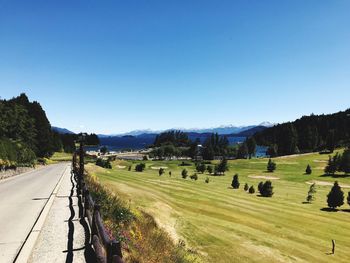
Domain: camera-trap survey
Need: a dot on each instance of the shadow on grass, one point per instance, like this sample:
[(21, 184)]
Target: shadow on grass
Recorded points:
[(335, 175), (346, 210), (306, 202), (327, 209)]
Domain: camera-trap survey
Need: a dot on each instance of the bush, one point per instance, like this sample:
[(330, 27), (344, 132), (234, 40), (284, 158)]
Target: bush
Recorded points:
[(210, 169), (140, 167), (207, 181), (260, 186), (348, 199), (335, 197), (251, 190), (235, 182), (308, 169), (271, 166), (184, 173), (246, 187), (200, 167), (194, 177), (266, 189), (103, 163), (129, 169), (161, 171)]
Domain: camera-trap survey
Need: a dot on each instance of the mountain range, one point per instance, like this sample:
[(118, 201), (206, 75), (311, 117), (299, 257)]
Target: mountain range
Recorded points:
[(139, 139), (223, 129)]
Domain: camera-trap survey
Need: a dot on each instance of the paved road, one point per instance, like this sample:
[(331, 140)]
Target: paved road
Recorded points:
[(21, 200)]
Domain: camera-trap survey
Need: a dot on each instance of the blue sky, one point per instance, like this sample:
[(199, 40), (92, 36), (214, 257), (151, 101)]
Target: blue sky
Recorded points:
[(114, 66)]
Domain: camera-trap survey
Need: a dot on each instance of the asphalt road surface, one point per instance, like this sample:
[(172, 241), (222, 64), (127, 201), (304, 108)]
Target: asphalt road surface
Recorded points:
[(22, 198)]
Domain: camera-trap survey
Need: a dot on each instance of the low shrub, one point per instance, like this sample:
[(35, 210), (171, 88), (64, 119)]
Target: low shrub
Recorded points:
[(104, 163), (194, 177), (184, 173), (140, 167), (251, 190), (246, 187)]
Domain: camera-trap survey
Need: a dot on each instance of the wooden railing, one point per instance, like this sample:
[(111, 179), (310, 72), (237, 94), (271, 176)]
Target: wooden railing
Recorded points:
[(107, 250)]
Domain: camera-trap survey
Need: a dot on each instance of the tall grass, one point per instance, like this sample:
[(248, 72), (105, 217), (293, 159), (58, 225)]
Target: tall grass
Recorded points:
[(142, 239)]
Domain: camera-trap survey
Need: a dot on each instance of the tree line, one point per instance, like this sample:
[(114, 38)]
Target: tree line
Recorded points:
[(307, 134), (26, 134)]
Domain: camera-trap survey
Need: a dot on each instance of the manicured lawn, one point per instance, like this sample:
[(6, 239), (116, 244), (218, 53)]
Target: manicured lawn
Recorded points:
[(226, 225)]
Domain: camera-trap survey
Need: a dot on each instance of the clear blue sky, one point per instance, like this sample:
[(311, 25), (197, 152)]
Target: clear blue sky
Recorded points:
[(114, 66)]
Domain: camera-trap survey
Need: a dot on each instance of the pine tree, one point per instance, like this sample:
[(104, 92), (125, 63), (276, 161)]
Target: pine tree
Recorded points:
[(246, 187), (311, 194), (222, 167), (251, 190), (335, 197), (235, 182), (260, 186), (267, 189), (344, 165), (251, 145), (271, 166), (308, 169)]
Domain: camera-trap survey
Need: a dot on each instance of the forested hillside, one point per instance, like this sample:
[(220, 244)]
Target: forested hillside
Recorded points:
[(307, 134), (26, 133)]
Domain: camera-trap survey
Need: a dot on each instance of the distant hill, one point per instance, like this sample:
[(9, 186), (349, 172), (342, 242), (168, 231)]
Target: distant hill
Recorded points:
[(61, 130), (250, 132)]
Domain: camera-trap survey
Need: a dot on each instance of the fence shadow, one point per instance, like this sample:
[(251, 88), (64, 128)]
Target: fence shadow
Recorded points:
[(70, 255), (89, 253)]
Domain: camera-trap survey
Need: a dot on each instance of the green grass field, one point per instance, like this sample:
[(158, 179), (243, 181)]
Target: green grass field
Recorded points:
[(226, 225), (61, 157)]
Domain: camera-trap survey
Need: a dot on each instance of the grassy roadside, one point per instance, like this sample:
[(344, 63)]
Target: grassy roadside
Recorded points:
[(142, 239), (223, 224)]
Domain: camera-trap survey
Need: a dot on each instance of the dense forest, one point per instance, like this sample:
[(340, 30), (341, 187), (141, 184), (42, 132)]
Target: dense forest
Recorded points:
[(307, 134), (26, 134)]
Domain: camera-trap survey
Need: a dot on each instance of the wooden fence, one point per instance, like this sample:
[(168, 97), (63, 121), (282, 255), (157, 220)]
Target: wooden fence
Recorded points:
[(107, 250)]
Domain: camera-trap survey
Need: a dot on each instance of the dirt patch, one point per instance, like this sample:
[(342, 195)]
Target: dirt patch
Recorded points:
[(121, 166), (319, 168), (320, 161), (324, 183), (163, 215), (293, 163), (263, 177), (158, 167), (292, 155)]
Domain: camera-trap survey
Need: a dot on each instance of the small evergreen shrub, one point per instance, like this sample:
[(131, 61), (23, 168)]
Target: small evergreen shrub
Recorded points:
[(246, 187), (184, 173), (235, 182), (140, 167), (267, 189), (308, 169), (251, 190), (271, 166), (194, 177)]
